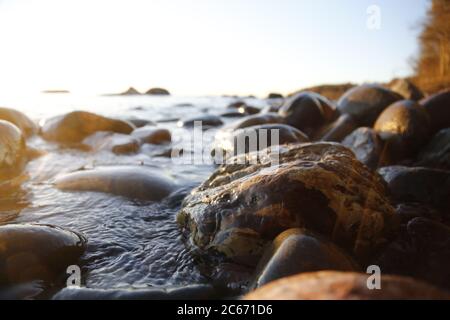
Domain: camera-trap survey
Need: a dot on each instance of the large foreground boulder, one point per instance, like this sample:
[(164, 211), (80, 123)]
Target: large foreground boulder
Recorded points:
[(318, 186), (75, 126), (330, 285), (37, 252), (135, 182)]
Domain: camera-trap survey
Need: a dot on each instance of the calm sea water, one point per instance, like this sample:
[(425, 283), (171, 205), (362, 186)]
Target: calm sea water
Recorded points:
[(132, 244)]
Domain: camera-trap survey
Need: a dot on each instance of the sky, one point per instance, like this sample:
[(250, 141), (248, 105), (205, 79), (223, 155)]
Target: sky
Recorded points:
[(203, 47)]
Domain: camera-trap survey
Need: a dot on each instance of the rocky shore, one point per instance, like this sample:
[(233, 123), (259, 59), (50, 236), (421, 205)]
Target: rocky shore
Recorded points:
[(359, 181)]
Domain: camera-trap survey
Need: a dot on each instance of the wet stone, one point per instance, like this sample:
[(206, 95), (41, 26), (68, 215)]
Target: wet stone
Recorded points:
[(37, 252), (297, 251), (135, 182), (333, 285), (113, 142), (366, 102), (152, 135), (436, 154), (75, 126), (205, 120), (13, 151), (438, 108), (367, 146), (318, 186), (405, 128), (25, 124)]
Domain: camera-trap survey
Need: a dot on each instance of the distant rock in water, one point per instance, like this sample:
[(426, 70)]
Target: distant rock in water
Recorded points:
[(24, 123), (55, 91), (115, 142), (13, 151), (75, 126), (152, 135), (134, 182), (37, 252), (158, 92), (273, 95), (205, 120), (131, 91)]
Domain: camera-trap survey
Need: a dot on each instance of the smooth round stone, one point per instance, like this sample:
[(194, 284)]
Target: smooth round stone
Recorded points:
[(205, 120), (249, 110), (135, 182), (152, 135), (37, 252), (366, 102), (303, 111), (297, 251), (318, 186), (438, 107), (406, 89), (404, 127), (13, 151), (254, 120), (236, 105), (75, 126), (334, 285), (421, 250), (190, 292), (409, 210), (424, 185), (114, 142), (337, 130), (367, 146), (255, 138), (158, 92), (24, 123), (436, 154)]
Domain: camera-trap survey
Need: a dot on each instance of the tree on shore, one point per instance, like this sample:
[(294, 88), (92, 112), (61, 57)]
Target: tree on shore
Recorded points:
[(432, 66)]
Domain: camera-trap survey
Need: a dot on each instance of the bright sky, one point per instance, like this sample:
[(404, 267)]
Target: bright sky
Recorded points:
[(196, 47)]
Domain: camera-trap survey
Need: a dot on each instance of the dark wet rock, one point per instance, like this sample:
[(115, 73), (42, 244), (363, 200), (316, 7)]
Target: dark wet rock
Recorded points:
[(254, 138), (114, 142), (438, 107), (366, 102), (152, 135), (424, 185), (406, 89), (249, 110), (405, 128), (337, 130), (333, 285), (135, 182), (75, 126), (130, 92), (422, 250), (158, 92), (206, 120), (436, 154), (236, 105), (190, 292), (320, 186), (367, 146), (254, 120), (21, 121), (305, 111), (272, 108), (297, 251), (13, 151), (37, 252), (139, 123), (410, 210), (275, 96), (232, 114)]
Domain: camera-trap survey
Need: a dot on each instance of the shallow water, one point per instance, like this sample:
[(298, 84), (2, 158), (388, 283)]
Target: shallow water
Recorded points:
[(131, 244)]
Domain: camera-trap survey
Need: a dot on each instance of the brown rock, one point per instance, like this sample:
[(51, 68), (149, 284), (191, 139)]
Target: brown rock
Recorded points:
[(13, 151), (152, 135), (405, 128), (337, 130), (75, 126), (332, 285), (24, 123)]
